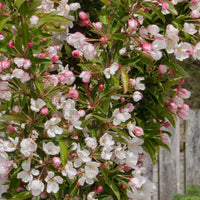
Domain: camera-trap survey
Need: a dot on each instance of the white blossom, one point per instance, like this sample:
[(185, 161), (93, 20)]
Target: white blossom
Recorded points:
[(69, 170), (28, 147), (36, 187), (52, 182), (36, 105), (111, 70), (27, 174), (51, 149), (52, 128)]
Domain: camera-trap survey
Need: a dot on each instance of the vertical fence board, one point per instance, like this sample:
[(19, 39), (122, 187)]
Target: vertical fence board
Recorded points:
[(169, 164), (152, 174), (193, 148)]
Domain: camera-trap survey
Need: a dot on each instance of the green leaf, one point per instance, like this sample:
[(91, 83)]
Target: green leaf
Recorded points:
[(32, 7), (125, 80), (126, 62), (105, 104), (3, 22), (53, 18), (6, 195), (25, 34), (100, 118), (39, 85), (150, 149), (93, 133), (159, 14), (63, 151), (22, 195), (172, 9), (177, 68), (15, 118), (171, 82), (119, 36), (170, 117), (113, 187), (145, 14), (3, 107), (106, 2), (19, 3), (160, 143), (103, 19)]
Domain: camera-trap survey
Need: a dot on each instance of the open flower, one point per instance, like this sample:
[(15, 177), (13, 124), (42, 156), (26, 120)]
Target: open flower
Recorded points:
[(52, 182), (27, 174), (52, 128), (50, 148), (36, 187), (28, 147), (36, 105), (69, 170)]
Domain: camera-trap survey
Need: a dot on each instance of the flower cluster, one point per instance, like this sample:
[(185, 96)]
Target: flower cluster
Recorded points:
[(82, 105)]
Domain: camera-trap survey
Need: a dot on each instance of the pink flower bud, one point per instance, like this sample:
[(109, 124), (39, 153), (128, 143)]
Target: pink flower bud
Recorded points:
[(30, 44), (16, 109), (1, 5), (99, 189), (74, 94), (173, 107), (5, 64), (101, 86), (183, 112), (133, 24), (83, 15), (87, 22), (10, 44), (165, 5), (97, 25), (44, 39), (147, 46), (162, 69), (85, 75), (123, 187), (81, 113), (165, 138), (126, 168), (167, 124), (195, 14), (57, 48), (103, 40), (11, 128), (102, 166), (190, 51), (183, 93), (122, 99), (182, 81), (185, 107), (68, 74), (42, 55), (27, 64), (44, 111), (56, 161), (75, 137), (55, 58), (62, 78), (20, 189), (195, 2), (138, 131), (76, 53)]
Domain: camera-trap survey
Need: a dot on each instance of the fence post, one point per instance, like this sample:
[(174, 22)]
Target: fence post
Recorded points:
[(169, 166), (192, 147)]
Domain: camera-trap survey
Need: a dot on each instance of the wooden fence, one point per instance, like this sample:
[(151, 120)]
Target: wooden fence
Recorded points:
[(174, 171)]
